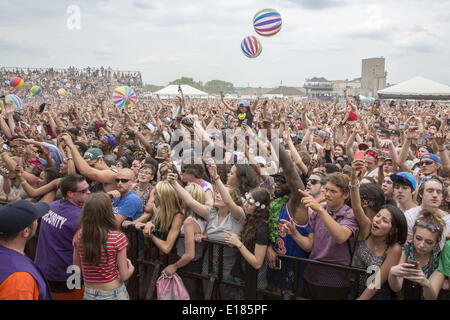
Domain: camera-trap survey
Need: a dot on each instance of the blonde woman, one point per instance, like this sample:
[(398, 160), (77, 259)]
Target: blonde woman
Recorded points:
[(164, 227), (189, 251)]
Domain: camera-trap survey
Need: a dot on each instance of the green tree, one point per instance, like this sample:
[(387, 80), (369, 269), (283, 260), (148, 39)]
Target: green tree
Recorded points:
[(216, 86)]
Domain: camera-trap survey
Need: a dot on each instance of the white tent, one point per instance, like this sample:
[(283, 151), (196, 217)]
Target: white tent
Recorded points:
[(416, 88), (188, 91)]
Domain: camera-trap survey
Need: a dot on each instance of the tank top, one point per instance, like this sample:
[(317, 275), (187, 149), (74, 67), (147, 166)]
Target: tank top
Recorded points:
[(198, 246), (363, 258)]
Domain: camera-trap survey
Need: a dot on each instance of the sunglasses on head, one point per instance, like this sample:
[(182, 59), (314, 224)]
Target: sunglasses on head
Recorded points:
[(122, 180), (432, 227), (427, 162)]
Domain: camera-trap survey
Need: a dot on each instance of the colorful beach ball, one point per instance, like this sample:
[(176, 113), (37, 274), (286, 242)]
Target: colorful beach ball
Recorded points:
[(12, 98), (251, 47), (123, 94), (35, 90), (62, 92), (16, 82), (267, 22)]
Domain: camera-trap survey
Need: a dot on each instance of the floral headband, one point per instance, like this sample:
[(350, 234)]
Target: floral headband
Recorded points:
[(252, 201)]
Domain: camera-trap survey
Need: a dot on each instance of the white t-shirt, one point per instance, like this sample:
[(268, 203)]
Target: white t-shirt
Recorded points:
[(412, 214)]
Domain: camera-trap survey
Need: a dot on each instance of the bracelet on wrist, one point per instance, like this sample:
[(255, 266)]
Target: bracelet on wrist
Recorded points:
[(355, 186), (442, 150), (240, 247)]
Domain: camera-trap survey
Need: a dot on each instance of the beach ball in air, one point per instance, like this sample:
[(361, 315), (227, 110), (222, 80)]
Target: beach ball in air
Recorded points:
[(267, 22), (35, 90), (12, 98), (16, 82), (251, 47), (62, 92)]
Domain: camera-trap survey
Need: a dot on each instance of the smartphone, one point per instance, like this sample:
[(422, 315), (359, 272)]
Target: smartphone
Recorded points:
[(359, 155), (42, 107), (412, 261), (402, 126), (278, 264), (214, 111), (426, 136), (264, 103)]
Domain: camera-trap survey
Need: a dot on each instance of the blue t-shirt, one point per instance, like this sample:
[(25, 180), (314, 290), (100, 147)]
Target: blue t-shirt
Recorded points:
[(130, 206), (286, 245)]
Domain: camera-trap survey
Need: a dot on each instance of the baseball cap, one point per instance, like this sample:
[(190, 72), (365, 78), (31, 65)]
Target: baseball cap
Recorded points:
[(395, 132), (17, 215), (149, 126), (93, 154), (261, 160), (431, 156), (363, 146), (406, 177), (112, 141), (243, 103)]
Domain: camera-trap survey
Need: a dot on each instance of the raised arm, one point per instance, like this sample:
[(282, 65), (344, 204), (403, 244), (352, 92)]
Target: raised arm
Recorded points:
[(361, 218), (102, 176), (197, 207), (235, 210), (295, 183)]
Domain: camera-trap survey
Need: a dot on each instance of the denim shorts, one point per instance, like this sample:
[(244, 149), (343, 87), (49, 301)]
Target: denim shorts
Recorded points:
[(120, 293)]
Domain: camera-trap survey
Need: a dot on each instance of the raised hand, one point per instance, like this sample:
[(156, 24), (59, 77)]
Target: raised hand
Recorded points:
[(308, 201)]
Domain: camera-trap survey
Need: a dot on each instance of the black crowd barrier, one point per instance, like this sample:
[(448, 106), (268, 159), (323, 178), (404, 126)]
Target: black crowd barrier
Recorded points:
[(142, 285)]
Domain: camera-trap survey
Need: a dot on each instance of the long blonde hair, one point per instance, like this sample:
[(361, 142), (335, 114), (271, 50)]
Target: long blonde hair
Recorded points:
[(169, 205), (198, 194)]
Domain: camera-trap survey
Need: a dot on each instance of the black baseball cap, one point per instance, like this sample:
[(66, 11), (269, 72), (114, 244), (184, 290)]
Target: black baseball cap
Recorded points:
[(17, 215)]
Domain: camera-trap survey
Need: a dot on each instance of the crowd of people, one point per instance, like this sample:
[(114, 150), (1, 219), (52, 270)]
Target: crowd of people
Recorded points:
[(343, 182), (77, 82)]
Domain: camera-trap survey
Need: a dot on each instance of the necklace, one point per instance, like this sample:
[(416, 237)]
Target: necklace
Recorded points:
[(142, 189)]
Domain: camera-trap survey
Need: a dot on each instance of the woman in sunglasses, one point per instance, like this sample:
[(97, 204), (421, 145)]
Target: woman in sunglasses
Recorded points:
[(379, 242), (415, 274)]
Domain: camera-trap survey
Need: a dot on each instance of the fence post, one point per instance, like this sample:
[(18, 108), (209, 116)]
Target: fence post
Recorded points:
[(250, 281)]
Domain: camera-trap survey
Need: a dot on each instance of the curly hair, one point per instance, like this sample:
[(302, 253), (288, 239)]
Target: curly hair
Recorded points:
[(256, 219)]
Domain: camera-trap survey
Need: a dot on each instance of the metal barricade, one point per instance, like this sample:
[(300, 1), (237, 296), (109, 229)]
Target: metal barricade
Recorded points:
[(214, 278)]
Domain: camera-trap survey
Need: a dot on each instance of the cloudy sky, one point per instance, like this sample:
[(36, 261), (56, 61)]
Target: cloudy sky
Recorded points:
[(168, 39)]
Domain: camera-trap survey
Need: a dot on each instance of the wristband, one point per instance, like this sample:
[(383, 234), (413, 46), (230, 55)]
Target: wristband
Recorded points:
[(241, 246), (442, 150), (356, 186)]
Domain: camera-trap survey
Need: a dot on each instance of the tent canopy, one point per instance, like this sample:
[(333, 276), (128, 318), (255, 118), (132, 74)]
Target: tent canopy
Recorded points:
[(416, 88), (172, 90)]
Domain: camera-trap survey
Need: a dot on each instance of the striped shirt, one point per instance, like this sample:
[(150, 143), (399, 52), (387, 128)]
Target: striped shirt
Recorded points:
[(106, 271)]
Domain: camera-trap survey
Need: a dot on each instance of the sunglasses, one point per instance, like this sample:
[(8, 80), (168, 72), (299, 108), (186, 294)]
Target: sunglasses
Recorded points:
[(433, 228), (122, 180), (313, 181), (428, 162)]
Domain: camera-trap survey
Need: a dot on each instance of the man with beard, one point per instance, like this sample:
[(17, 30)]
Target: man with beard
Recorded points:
[(284, 208)]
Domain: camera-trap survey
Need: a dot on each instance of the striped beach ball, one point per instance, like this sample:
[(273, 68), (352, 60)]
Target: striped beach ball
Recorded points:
[(267, 22), (12, 98), (251, 47), (16, 82)]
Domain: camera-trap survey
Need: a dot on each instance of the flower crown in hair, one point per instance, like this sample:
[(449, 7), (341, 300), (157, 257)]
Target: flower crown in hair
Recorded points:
[(252, 201)]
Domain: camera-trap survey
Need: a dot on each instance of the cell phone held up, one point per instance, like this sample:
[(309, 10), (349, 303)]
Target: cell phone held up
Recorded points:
[(359, 155)]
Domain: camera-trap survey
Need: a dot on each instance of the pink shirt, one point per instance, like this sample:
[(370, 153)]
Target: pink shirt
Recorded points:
[(106, 271)]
